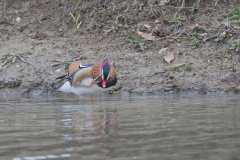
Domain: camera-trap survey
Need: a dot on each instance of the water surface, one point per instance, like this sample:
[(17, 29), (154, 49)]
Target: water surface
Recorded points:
[(121, 128)]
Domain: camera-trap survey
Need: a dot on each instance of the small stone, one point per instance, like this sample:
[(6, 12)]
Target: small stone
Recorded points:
[(18, 19), (65, 155), (52, 156), (58, 70), (163, 50)]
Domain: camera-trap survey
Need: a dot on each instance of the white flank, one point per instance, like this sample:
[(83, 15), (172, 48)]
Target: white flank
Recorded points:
[(81, 89), (65, 87)]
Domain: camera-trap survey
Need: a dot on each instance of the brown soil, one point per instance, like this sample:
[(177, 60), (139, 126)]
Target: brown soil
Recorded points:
[(108, 28)]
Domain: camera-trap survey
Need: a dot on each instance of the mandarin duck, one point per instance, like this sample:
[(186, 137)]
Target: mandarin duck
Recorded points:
[(89, 79)]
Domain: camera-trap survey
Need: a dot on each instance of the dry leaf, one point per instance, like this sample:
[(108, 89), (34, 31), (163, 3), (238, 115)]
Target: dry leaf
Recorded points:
[(164, 2), (194, 26), (169, 57), (147, 36), (147, 26)]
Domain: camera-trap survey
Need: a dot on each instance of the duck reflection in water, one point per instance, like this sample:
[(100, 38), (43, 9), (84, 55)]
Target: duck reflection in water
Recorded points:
[(88, 124)]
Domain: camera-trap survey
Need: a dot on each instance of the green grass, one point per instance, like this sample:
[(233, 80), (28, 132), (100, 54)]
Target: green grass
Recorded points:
[(188, 68), (176, 23), (182, 68), (175, 69), (139, 42), (15, 57), (57, 63), (234, 45), (235, 14)]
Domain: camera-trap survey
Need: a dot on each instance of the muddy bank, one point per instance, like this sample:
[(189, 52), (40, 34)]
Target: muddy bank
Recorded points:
[(155, 50)]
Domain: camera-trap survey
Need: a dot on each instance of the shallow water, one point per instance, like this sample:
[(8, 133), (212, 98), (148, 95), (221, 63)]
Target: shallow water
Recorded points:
[(121, 128)]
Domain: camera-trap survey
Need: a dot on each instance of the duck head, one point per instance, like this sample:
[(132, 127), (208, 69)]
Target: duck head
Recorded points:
[(105, 72)]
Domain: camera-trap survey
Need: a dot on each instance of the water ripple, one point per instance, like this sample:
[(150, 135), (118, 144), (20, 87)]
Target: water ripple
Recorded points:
[(143, 128)]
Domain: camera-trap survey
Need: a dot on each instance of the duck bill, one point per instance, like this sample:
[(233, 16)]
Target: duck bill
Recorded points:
[(104, 83)]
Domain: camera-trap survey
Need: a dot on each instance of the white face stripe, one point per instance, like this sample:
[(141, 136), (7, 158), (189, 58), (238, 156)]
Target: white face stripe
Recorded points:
[(102, 74)]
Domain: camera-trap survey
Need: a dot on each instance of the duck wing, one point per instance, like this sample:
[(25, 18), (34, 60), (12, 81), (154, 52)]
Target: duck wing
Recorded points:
[(78, 78)]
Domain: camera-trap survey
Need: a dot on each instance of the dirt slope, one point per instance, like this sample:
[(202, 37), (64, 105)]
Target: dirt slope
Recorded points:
[(39, 38)]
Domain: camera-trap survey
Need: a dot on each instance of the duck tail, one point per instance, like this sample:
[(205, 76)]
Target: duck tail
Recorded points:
[(62, 77)]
